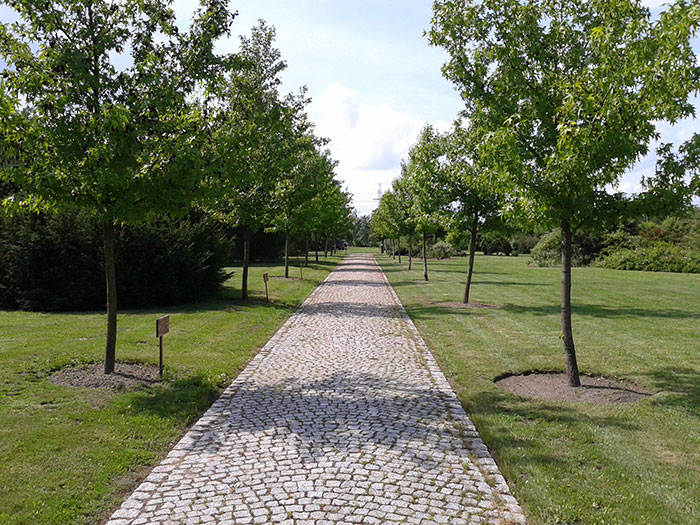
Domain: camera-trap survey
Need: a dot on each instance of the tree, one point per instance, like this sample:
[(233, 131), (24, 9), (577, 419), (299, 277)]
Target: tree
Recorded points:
[(308, 172), (332, 212), (80, 132), (385, 219), (565, 95), (405, 222), (361, 230), (250, 140), (425, 180), (474, 202), (675, 182), (402, 213)]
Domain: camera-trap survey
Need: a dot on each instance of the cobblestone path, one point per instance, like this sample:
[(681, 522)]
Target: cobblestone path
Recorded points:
[(343, 417)]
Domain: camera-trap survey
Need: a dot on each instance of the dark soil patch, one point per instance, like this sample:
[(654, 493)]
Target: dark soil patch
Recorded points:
[(456, 304), (555, 387), (126, 375)]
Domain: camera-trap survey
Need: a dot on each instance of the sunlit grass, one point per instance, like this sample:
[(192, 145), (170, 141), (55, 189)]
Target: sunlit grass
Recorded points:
[(566, 462)]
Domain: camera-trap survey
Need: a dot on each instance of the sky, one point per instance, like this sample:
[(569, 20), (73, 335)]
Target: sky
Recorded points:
[(374, 81)]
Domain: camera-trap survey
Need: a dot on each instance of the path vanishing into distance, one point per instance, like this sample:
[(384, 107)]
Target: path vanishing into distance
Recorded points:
[(343, 417)]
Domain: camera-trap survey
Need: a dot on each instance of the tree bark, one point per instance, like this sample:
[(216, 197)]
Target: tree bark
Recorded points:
[(425, 257), (111, 282), (286, 254), (410, 255), (393, 248), (398, 248), (246, 262), (325, 248), (316, 246), (306, 251), (567, 333), (470, 271)]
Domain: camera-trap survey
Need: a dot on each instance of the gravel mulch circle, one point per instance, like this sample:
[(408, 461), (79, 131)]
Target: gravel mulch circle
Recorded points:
[(126, 375), (555, 387)]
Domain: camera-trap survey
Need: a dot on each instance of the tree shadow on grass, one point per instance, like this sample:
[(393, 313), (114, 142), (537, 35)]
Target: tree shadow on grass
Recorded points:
[(184, 400), (680, 387), (434, 311), (532, 452), (596, 310)]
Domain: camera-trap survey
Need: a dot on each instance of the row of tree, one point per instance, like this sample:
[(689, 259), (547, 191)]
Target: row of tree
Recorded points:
[(561, 99), (110, 108)]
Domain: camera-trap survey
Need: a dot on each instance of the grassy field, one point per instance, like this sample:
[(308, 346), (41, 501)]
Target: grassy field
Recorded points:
[(70, 455), (574, 462)]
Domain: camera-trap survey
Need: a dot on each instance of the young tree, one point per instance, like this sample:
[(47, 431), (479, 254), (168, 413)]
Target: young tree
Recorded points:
[(361, 230), (81, 132), (385, 219), (426, 183), (565, 95), (308, 172), (474, 202), (250, 139)]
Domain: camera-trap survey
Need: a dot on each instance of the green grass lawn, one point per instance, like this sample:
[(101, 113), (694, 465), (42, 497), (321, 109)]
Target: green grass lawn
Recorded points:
[(70, 455), (568, 462)]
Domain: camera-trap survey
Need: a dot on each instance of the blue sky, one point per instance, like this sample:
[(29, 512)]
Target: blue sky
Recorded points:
[(373, 79)]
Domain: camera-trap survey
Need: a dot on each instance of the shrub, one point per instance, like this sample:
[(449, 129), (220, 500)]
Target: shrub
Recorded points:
[(585, 247), (459, 240), (55, 263), (495, 243), (653, 257), (440, 250), (524, 243)]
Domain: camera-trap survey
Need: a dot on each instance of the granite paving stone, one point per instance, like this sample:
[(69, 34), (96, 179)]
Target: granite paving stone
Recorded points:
[(343, 417)]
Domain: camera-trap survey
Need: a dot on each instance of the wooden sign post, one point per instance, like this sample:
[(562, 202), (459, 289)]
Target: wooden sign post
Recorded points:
[(266, 278), (301, 271), (162, 328)]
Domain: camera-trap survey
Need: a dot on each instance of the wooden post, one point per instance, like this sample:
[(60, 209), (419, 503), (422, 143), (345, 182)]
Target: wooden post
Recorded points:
[(266, 278), (162, 328), (301, 271)]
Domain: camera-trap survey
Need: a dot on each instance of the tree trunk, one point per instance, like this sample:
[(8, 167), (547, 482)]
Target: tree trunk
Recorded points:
[(111, 281), (381, 247), (567, 333), (410, 255), (393, 248), (472, 252), (316, 246), (425, 257), (306, 251), (398, 248), (325, 248), (286, 254), (246, 262)]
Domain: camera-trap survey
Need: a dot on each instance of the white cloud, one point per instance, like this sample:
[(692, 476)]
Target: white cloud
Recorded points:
[(369, 142), (364, 137)]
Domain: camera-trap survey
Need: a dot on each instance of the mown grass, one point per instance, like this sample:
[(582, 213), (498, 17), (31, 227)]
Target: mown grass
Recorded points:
[(574, 462), (69, 455)]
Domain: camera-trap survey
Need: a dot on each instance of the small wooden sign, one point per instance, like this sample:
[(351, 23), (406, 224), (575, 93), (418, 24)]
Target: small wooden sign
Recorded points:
[(162, 326), (266, 277)]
